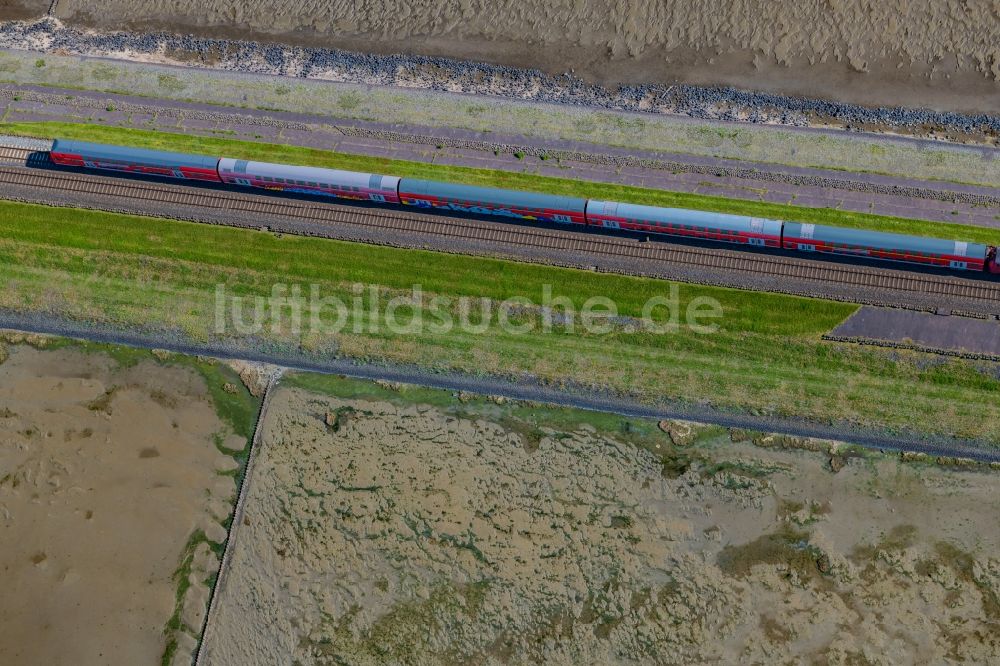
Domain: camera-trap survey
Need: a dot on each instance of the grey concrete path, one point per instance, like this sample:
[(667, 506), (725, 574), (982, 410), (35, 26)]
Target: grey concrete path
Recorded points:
[(922, 329), (238, 511)]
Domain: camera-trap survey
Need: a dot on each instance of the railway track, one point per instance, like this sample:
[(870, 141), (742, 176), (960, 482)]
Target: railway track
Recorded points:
[(10, 155), (252, 204)]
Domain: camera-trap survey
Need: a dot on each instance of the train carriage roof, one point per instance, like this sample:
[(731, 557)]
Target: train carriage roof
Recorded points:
[(306, 173), (157, 158), (700, 218), (885, 241), (514, 198)]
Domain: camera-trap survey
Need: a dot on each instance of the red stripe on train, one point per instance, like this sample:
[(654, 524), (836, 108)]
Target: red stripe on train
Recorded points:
[(936, 260)]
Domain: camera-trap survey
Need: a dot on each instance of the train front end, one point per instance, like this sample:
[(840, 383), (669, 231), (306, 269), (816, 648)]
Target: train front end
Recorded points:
[(124, 159), (993, 261)]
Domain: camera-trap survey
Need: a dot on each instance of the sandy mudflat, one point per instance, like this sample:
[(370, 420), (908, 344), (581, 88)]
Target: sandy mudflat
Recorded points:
[(14, 10), (380, 531), (105, 473), (942, 54)]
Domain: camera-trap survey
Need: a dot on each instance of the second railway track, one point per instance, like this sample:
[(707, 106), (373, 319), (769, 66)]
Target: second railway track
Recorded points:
[(244, 204)]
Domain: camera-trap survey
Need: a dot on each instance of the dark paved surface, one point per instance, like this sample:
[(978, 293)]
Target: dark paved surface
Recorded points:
[(325, 132), (923, 329)]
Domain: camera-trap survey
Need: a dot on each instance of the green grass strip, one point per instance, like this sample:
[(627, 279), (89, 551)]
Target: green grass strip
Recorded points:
[(767, 357)]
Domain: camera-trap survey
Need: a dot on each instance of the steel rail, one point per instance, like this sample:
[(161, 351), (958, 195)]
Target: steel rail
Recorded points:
[(250, 204)]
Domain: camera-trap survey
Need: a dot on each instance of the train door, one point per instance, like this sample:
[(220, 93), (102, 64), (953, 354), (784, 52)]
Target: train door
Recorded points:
[(961, 250)]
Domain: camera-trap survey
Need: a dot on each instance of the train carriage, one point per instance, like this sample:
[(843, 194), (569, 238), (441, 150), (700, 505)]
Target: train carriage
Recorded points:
[(310, 180), (723, 227), (492, 201), (956, 255), (134, 160), (745, 230)]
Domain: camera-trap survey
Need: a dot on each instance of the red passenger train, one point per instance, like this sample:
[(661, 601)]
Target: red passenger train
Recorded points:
[(738, 229)]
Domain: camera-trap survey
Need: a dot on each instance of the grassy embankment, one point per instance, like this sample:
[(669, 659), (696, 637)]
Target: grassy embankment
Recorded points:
[(493, 177), (767, 357)]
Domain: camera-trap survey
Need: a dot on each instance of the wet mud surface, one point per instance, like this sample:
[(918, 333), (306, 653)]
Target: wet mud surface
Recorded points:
[(382, 528), (110, 485)]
